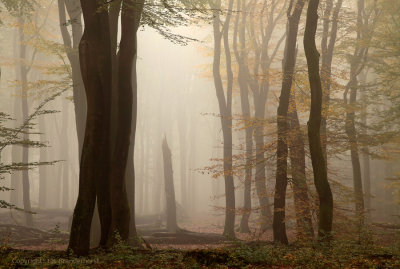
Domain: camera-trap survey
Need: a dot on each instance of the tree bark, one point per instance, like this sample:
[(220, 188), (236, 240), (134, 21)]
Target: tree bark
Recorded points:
[(298, 164), (356, 67), (328, 45), (240, 54), (95, 59), (25, 113), (172, 225), (127, 103), (314, 125), (43, 169), (279, 227), (183, 156), (71, 43), (64, 151), (225, 106)]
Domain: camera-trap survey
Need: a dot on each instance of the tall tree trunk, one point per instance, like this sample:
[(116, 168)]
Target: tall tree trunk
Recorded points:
[(79, 97), (241, 54), (192, 163), (279, 227), (172, 226), (356, 67), (366, 156), (16, 151), (225, 106), (95, 58), (127, 102), (328, 45), (25, 113), (183, 156), (65, 165), (314, 125), (298, 164), (130, 170), (43, 169)]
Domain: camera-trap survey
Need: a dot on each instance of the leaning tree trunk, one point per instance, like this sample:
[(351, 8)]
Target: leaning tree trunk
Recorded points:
[(172, 225), (95, 58), (314, 125), (279, 227)]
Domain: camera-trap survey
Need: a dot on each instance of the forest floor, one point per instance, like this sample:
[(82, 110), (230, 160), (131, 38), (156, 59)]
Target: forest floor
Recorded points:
[(199, 246)]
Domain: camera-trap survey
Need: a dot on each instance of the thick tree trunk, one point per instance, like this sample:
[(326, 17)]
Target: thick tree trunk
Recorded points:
[(95, 58), (279, 227), (172, 226), (314, 125)]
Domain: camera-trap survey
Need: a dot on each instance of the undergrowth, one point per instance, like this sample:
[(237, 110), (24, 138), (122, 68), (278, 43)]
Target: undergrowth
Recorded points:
[(338, 254)]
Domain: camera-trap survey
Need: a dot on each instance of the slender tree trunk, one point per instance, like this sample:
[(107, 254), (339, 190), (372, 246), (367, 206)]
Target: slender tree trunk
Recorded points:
[(241, 54), (172, 226), (356, 67), (16, 151), (355, 158), (225, 106), (366, 157), (192, 163), (65, 165), (130, 170), (298, 163), (279, 227), (314, 125), (183, 157), (43, 169), (328, 45), (25, 113), (79, 97)]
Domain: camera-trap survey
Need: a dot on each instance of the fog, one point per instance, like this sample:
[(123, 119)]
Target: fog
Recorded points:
[(178, 100)]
